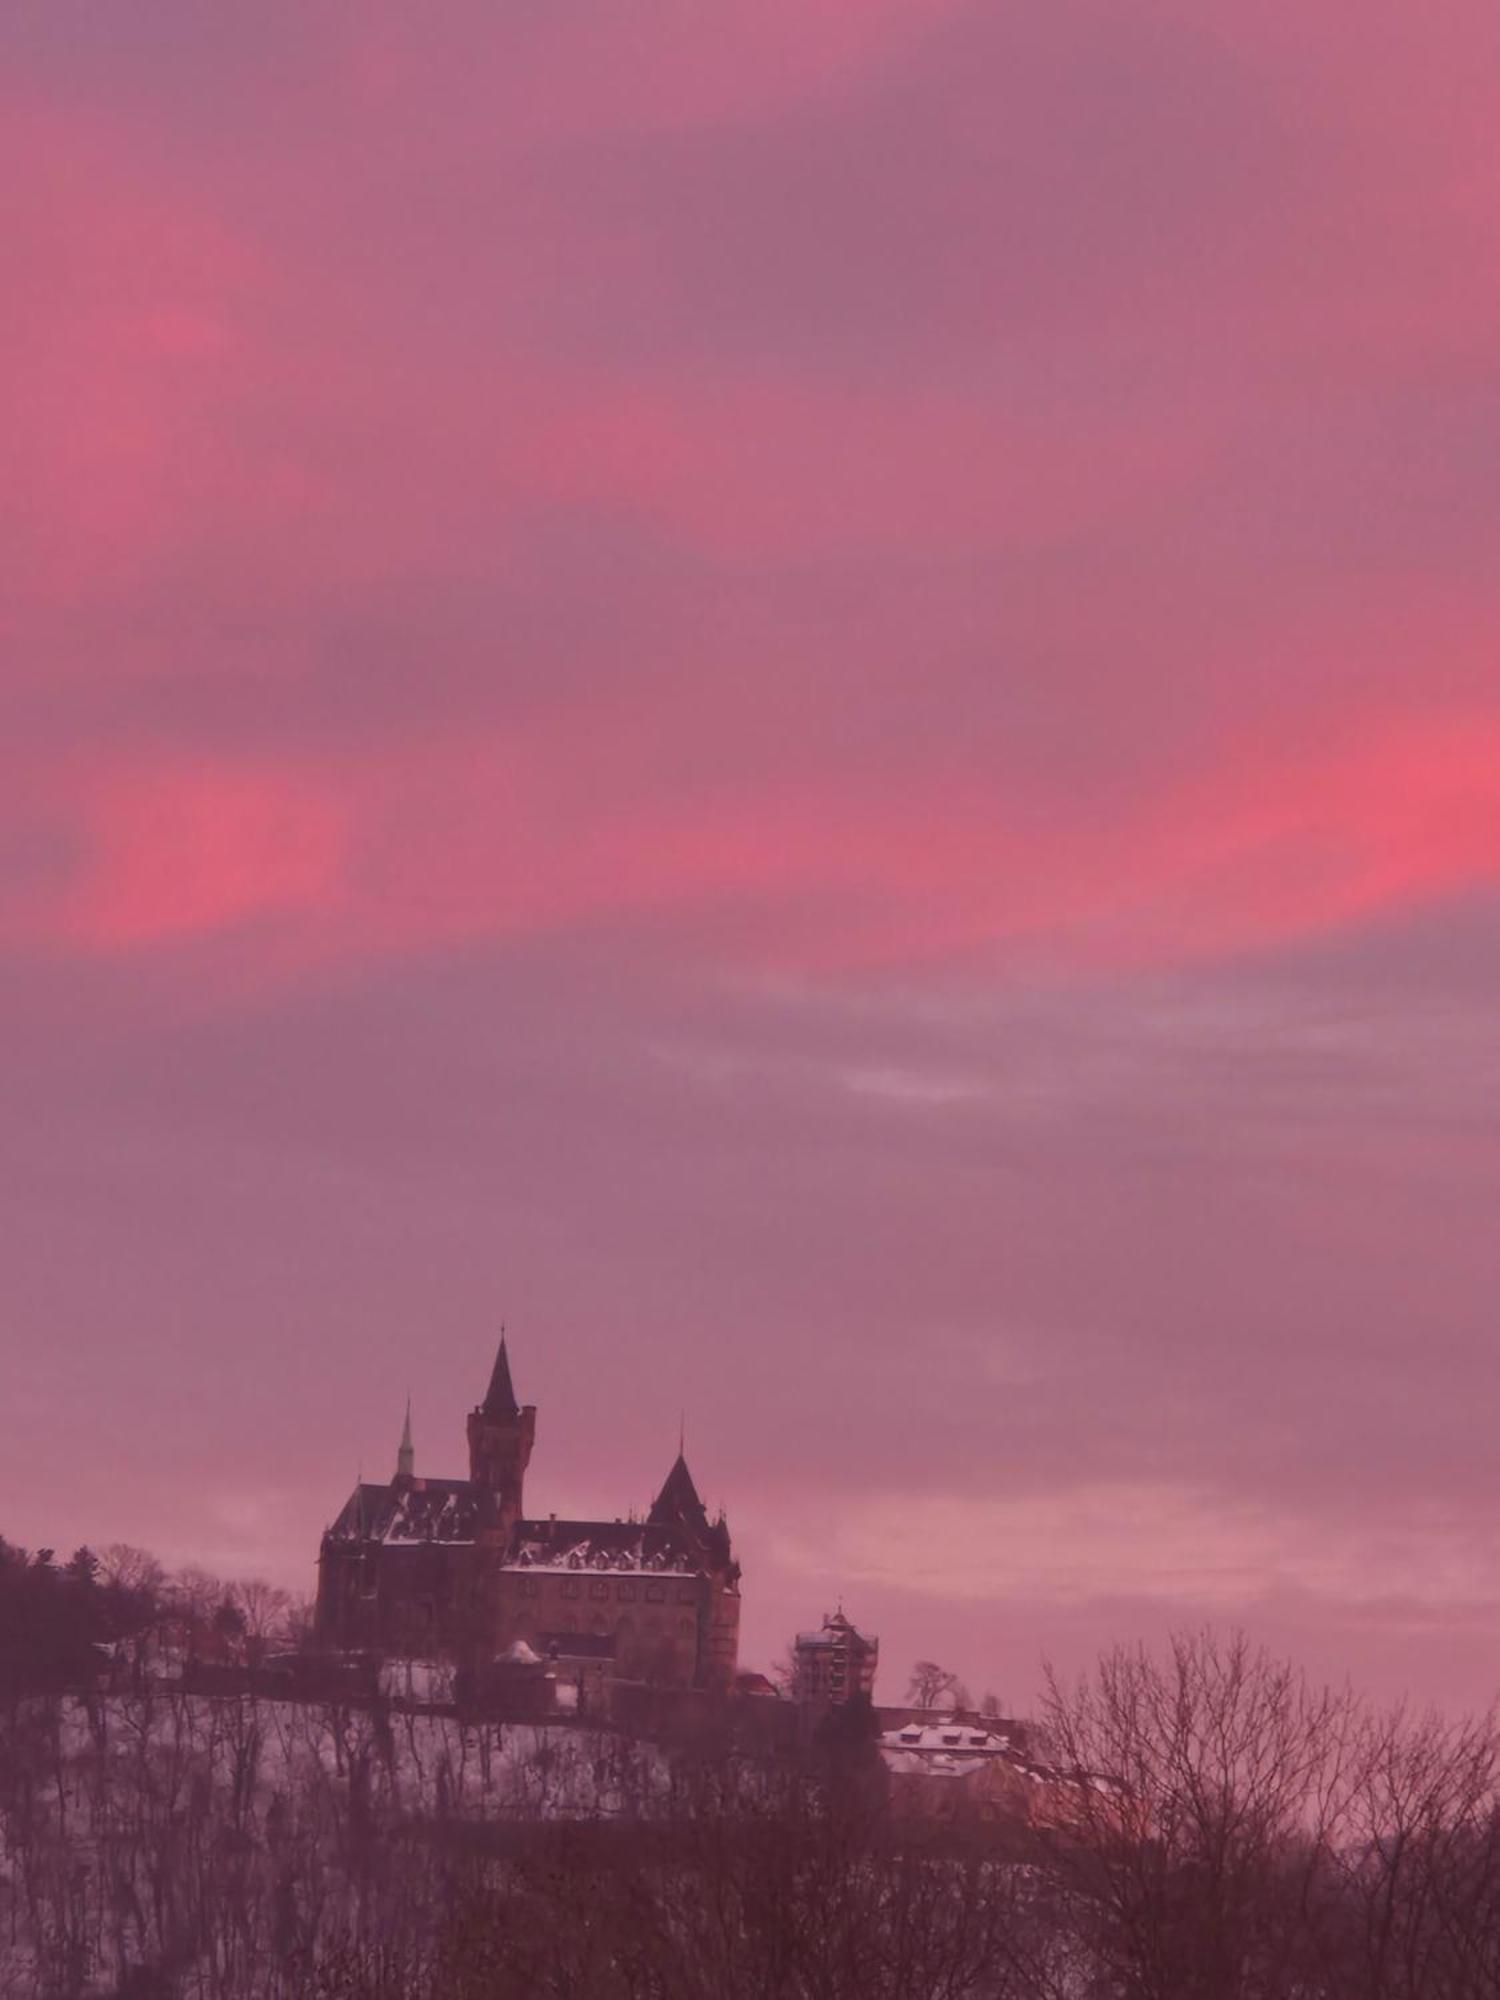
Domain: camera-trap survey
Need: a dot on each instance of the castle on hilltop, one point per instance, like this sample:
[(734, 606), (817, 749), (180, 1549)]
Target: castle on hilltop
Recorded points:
[(455, 1568)]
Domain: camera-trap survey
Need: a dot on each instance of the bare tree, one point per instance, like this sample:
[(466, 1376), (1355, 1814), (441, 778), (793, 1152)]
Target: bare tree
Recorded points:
[(932, 1686), (1206, 1798), (1421, 1869), (130, 1568), (263, 1609), (782, 1672)]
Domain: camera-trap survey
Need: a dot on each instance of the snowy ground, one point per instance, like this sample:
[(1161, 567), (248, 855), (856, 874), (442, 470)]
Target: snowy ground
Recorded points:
[(164, 1828)]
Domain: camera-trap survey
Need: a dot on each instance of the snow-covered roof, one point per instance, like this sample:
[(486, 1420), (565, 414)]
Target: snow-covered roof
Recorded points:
[(835, 1631), (949, 1738), (622, 1547), (415, 1512)]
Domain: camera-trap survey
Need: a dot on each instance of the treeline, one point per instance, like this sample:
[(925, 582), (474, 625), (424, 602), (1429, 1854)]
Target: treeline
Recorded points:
[(1229, 1833), (1213, 1828), (155, 1842), (63, 1623)]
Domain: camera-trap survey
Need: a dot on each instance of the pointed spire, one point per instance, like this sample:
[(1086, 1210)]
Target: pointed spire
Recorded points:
[(678, 1499), (500, 1398), (405, 1457)]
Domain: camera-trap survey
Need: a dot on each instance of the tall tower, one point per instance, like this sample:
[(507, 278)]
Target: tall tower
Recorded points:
[(405, 1456), (501, 1434)]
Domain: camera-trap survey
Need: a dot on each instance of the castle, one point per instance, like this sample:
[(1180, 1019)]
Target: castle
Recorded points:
[(454, 1568)]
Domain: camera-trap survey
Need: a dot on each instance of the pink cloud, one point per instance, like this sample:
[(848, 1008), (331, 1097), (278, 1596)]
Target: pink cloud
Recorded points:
[(125, 340), (172, 853), (594, 69), (812, 681), (536, 834)]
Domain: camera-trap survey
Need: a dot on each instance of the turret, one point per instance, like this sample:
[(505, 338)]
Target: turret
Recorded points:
[(501, 1434), (678, 1503), (679, 1506)]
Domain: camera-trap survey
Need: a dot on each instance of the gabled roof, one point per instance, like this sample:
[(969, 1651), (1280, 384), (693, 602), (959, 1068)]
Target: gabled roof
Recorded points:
[(419, 1511), (500, 1397), (626, 1547), (422, 1510), (838, 1631), (946, 1737), (678, 1500)]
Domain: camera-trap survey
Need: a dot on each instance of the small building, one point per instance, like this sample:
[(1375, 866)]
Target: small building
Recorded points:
[(835, 1664), (946, 1743), (951, 1767)]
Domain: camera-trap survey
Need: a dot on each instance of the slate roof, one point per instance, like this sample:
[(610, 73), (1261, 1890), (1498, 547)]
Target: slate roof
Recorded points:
[(419, 1510), (837, 1631), (647, 1546), (452, 1511), (500, 1397), (678, 1499)]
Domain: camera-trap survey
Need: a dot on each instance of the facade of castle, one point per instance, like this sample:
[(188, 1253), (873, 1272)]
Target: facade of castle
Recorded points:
[(454, 1568)]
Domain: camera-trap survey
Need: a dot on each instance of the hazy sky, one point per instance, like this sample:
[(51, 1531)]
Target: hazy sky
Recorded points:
[(806, 696)]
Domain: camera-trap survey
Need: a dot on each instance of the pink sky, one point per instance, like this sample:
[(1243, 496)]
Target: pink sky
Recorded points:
[(806, 696)]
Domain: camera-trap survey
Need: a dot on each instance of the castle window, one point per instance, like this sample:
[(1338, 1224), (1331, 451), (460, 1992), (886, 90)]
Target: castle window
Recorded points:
[(571, 1586), (530, 1585), (598, 1588), (626, 1593), (686, 1594), (655, 1593)]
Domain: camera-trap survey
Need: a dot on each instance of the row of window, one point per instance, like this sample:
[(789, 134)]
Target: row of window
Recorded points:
[(624, 1592), (625, 1632), (364, 1579)]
